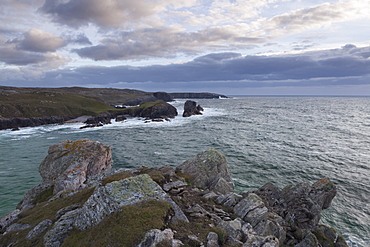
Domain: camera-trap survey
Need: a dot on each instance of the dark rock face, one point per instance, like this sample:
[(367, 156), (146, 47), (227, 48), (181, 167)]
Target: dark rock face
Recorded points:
[(153, 110), (163, 96), (99, 120), (16, 123), (191, 108)]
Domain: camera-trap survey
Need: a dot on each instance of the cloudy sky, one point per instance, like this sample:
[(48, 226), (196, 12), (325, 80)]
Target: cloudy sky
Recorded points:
[(252, 47)]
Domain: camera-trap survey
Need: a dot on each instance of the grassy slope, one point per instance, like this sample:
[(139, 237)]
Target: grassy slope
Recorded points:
[(39, 104), (62, 102)]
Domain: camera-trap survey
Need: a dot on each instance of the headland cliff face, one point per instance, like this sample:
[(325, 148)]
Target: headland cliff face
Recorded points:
[(82, 201)]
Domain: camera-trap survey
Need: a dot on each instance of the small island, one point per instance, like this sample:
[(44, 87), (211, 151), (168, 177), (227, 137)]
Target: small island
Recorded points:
[(83, 201)]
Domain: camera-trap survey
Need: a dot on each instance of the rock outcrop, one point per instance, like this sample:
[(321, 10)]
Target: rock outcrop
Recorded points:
[(192, 205), (208, 170), (15, 123), (69, 164), (191, 108), (153, 110)]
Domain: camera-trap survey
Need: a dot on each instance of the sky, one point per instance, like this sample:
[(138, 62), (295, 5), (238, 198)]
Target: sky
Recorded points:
[(232, 47)]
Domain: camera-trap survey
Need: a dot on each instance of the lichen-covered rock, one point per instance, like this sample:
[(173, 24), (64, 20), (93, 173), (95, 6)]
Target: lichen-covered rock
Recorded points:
[(39, 229), (260, 241), (245, 208), (17, 227), (156, 236), (9, 219), (69, 164), (31, 196), (208, 170), (106, 200), (113, 196), (212, 240)]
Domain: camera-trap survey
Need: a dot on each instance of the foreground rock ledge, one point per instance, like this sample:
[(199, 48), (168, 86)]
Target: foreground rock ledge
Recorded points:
[(83, 202)]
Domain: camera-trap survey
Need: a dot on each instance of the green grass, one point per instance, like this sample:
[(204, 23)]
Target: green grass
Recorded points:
[(43, 103), (125, 228), (42, 211)]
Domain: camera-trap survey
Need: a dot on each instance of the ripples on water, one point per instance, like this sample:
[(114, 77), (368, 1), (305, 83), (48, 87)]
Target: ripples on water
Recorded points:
[(280, 139)]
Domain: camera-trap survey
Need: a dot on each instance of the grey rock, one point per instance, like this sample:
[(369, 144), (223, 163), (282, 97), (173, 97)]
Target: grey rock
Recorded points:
[(271, 224), (260, 241), (39, 229), (69, 164), (248, 204), (299, 210), (322, 192), (208, 170), (233, 228), (31, 195), (61, 229), (341, 241), (63, 211), (229, 200), (210, 195), (179, 214), (9, 219), (113, 196), (155, 236), (16, 227), (309, 241), (174, 185), (212, 240)]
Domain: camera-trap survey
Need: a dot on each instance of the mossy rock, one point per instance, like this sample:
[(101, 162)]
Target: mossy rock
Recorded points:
[(124, 228)]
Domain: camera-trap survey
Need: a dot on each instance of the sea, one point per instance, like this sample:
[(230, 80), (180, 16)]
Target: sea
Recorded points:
[(283, 140)]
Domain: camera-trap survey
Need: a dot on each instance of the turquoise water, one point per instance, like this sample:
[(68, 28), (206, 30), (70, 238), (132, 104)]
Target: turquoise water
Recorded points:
[(280, 139)]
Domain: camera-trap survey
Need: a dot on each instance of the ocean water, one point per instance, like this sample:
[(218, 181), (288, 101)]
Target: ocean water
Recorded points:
[(284, 140)]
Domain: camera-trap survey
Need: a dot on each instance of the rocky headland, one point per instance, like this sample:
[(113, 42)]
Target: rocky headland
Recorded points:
[(83, 201), (28, 107)]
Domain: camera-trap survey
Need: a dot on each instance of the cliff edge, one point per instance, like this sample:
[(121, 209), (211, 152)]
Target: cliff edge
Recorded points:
[(82, 201)]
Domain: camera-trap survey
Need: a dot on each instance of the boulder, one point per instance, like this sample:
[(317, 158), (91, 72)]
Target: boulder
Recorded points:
[(208, 170), (69, 164), (191, 108), (212, 240), (156, 236)]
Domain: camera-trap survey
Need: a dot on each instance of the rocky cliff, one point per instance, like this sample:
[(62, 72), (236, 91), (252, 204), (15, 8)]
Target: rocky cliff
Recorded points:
[(197, 96), (82, 201)]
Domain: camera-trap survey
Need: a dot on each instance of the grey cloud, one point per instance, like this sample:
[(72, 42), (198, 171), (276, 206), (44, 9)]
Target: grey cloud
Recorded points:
[(160, 42), (41, 41), (107, 13), (234, 68), (304, 19), (231, 70), (16, 57), (80, 39)]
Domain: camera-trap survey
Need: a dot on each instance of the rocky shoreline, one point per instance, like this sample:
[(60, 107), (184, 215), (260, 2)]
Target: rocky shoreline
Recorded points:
[(51, 106), (83, 201)]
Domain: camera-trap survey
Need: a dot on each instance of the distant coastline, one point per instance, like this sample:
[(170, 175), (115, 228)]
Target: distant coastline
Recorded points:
[(27, 107)]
